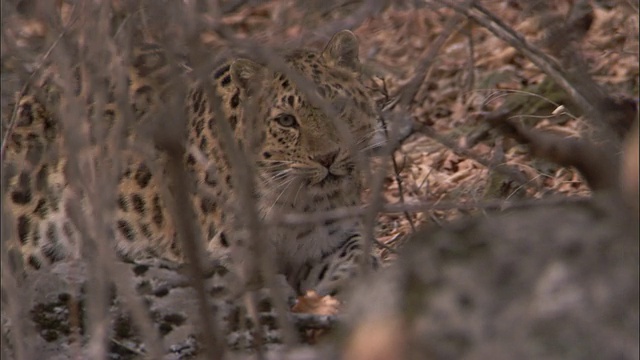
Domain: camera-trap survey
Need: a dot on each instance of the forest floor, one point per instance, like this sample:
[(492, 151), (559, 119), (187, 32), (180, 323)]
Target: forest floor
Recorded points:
[(471, 74), (437, 77)]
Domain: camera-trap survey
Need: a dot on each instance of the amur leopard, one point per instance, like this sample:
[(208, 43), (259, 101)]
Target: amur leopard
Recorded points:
[(304, 162)]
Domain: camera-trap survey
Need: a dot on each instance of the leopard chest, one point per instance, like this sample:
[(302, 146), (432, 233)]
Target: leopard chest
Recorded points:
[(313, 235)]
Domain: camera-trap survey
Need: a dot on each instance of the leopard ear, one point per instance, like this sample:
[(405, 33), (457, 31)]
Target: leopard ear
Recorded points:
[(245, 72), (342, 50)]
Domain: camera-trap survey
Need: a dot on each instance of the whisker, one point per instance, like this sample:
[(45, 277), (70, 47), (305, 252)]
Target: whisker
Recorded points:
[(287, 183), (276, 161), (295, 198), (373, 146), (369, 135), (278, 176), (275, 166)]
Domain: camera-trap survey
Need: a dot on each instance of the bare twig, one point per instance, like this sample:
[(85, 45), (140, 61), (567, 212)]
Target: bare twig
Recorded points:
[(413, 207), (243, 178), (25, 87), (367, 9), (511, 172), (408, 93), (485, 18), (396, 169), (191, 239), (599, 168), (584, 92)]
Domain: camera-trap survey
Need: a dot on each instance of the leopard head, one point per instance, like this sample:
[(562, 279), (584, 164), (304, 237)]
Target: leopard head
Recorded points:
[(301, 145)]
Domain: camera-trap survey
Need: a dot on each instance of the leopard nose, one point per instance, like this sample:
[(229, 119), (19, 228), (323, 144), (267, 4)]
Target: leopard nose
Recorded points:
[(326, 159)]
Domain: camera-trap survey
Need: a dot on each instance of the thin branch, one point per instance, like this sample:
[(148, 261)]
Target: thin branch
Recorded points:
[(408, 92), (508, 171), (599, 167), (25, 87), (191, 240), (413, 207), (584, 92), (396, 171)]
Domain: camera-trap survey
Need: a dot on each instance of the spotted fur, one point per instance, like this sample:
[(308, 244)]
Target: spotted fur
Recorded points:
[(304, 160)]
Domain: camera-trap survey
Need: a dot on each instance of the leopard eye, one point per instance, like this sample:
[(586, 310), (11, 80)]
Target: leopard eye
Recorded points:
[(286, 120)]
